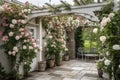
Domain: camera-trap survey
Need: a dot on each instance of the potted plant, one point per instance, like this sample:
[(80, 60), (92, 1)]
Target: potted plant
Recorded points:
[(100, 68), (41, 66), (66, 57), (51, 61)]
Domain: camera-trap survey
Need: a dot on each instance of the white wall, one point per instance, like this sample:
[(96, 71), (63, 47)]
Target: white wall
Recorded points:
[(3, 59)]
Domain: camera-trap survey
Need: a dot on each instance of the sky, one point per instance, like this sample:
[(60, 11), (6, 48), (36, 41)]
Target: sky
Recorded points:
[(41, 2)]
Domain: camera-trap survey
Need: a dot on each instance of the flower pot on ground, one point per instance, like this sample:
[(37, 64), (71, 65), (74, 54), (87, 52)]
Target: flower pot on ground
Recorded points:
[(100, 72), (58, 59), (66, 57), (41, 66), (51, 63)]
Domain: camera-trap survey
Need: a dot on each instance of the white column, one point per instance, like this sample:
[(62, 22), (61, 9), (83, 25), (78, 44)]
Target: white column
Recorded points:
[(40, 35), (116, 5)]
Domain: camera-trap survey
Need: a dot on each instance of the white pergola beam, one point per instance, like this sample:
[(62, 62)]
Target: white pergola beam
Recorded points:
[(87, 9)]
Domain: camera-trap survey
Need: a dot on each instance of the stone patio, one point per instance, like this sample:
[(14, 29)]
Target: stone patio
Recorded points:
[(70, 70)]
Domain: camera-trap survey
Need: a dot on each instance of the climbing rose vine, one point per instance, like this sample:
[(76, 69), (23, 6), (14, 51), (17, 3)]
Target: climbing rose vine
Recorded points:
[(17, 41)]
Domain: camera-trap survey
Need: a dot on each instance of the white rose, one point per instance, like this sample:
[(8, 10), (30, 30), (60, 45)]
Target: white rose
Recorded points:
[(25, 41), (107, 62), (21, 29), (30, 47), (9, 52), (26, 34), (95, 30), (25, 10), (17, 37), (22, 33), (50, 37), (23, 21), (12, 26), (116, 47), (20, 14), (108, 19), (24, 47), (103, 22), (14, 21), (20, 36), (10, 33), (35, 50), (102, 39), (119, 66), (29, 10), (13, 53), (15, 49), (111, 15), (1, 9)]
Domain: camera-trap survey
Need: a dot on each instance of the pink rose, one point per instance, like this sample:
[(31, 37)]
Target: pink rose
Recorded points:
[(1, 33), (5, 38), (4, 24)]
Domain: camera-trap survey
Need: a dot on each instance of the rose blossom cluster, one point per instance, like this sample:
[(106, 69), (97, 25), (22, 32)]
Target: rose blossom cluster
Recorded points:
[(16, 30), (106, 20)]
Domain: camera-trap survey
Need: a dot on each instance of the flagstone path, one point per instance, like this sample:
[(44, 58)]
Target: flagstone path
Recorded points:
[(70, 70)]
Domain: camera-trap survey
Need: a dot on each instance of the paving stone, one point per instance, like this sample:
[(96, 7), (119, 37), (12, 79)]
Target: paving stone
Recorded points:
[(56, 78), (71, 70), (42, 79), (78, 68), (69, 79), (73, 73)]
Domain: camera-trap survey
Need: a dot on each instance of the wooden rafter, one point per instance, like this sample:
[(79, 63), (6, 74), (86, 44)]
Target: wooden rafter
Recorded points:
[(79, 10), (54, 8), (66, 5)]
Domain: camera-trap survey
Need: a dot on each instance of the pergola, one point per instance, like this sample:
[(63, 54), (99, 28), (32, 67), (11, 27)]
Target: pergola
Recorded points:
[(86, 11)]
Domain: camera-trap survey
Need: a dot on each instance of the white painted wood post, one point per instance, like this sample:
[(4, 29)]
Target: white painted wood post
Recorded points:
[(40, 29)]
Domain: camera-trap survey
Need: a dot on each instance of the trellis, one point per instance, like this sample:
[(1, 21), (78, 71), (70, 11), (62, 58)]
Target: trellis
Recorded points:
[(86, 11)]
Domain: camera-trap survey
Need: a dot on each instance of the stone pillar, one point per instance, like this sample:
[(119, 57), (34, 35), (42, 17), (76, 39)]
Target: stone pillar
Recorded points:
[(71, 43)]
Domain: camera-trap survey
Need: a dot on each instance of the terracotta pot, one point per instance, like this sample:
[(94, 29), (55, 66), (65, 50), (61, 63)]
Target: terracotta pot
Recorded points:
[(66, 58), (41, 66), (51, 63)]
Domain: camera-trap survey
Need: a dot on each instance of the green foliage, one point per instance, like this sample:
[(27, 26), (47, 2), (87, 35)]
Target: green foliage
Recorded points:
[(90, 39), (112, 33), (105, 10), (54, 38), (79, 38), (15, 15)]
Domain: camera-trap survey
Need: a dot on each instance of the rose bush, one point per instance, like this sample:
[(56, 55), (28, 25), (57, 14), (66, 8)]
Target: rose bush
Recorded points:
[(16, 38), (110, 28)]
